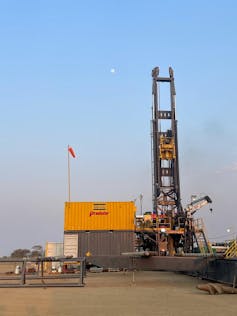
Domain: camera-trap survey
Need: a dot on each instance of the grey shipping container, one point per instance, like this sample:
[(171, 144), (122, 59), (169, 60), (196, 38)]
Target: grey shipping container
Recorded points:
[(104, 243)]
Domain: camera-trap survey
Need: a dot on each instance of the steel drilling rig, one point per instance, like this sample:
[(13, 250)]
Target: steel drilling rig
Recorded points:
[(169, 229), (167, 208)]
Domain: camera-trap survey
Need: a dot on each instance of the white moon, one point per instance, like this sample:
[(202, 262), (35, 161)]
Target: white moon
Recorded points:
[(112, 70)]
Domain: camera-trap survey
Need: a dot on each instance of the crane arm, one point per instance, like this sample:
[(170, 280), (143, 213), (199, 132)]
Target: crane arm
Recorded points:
[(195, 205)]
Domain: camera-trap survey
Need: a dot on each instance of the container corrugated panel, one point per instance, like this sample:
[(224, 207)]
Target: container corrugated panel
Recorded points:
[(99, 216), (54, 249), (104, 243), (70, 245)]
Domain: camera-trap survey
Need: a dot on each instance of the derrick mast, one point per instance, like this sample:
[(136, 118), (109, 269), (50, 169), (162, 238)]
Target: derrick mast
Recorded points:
[(166, 184), (167, 210)]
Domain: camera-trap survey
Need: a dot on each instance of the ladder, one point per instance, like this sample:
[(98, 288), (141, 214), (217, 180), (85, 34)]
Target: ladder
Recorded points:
[(200, 236)]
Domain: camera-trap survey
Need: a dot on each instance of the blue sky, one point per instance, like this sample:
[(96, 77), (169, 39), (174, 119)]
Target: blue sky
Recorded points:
[(56, 88)]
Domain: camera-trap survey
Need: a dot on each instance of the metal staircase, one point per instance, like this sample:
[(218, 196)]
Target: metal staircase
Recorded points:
[(201, 237)]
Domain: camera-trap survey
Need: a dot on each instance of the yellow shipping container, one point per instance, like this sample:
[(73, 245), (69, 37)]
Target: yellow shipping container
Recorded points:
[(99, 216)]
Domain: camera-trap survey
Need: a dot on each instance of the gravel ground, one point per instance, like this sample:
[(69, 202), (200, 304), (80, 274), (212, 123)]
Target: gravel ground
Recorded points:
[(120, 293)]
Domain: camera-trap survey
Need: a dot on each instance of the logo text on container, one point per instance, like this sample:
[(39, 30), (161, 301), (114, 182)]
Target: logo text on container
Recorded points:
[(98, 213)]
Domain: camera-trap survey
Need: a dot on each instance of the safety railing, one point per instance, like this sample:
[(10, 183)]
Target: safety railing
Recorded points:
[(42, 272)]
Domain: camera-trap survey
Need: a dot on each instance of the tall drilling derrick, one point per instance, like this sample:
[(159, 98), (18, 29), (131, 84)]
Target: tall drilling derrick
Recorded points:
[(166, 185), (168, 229)]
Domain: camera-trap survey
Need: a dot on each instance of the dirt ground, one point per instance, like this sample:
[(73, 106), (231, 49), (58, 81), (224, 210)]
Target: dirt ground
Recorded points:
[(120, 293)]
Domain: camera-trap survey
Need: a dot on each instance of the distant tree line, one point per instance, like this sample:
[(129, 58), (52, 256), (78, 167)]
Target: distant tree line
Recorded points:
[(35, 252)]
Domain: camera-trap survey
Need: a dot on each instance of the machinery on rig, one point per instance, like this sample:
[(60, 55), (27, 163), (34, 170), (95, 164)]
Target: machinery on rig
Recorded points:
[(196, 204), (168, 229)]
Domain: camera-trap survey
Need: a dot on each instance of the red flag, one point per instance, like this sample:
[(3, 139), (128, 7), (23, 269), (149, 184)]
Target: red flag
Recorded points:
[(72, 152)]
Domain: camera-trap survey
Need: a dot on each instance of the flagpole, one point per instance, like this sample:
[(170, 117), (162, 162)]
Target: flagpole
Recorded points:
[(69, 180), (70, 151)]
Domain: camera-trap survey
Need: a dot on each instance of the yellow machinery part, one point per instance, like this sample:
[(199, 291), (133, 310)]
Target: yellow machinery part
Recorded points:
[(167, 148)]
